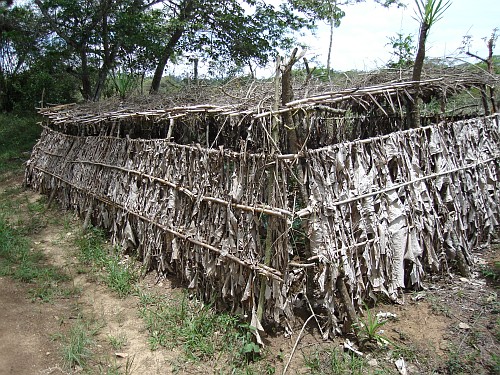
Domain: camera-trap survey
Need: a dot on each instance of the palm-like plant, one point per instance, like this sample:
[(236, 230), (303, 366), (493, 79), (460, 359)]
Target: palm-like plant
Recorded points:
[(428, 13)]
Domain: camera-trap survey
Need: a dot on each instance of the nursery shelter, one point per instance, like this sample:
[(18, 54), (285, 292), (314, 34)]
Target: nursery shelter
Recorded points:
[(266, 208)]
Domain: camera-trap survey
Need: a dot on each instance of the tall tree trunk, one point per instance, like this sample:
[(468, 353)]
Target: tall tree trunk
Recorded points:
[(195, 71), (187, 7), (419, 59), (413, 108), (328, 67), (107, 60), (85, 76), (489, 63)]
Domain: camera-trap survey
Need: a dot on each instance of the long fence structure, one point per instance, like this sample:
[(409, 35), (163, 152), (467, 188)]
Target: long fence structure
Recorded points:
[(264, 234)]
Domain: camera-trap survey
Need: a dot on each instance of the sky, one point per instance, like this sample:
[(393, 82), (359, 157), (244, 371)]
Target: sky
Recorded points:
[(360, 42)]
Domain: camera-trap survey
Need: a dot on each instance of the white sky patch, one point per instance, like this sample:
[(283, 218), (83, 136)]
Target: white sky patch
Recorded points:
[(361, 40)]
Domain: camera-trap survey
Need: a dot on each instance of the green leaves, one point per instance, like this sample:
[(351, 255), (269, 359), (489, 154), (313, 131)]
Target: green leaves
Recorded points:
[(403, 49), (431, 11)]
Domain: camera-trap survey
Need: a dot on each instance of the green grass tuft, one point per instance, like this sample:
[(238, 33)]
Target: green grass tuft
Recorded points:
[(19, 261), (77, 349), (333, 361), (197, 328), (105, 262)]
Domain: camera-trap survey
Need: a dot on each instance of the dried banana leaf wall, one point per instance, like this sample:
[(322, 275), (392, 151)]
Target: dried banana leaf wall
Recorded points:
[(380, 212), (385, 211)]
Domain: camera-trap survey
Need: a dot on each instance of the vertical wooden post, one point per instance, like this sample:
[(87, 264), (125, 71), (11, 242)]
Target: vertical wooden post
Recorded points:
[(270, 192)]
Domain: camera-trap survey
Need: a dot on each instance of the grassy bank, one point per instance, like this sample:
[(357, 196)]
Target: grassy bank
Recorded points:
[(18, 134)]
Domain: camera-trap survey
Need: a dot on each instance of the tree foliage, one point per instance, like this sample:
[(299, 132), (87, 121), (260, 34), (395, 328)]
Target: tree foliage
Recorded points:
[(228, 32), (30, 69), (403, 50)]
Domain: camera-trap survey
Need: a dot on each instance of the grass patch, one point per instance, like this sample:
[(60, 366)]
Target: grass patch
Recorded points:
[(197, 328), (460, 362), (117, 342), (333, 361), (18, 134), (77, 349), (491, 272), (21, 262), (106, 263)]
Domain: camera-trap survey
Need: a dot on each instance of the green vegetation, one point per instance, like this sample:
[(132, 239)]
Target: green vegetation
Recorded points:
[(333, 361), (368, 330), (117, 342), (198, 328), (18, 134), (492, 272), (459, 362), (77, 349), (21, 262), (106, 262)]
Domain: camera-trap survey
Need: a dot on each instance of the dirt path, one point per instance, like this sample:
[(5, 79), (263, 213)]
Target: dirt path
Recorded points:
[(29, 329), (25, 332)]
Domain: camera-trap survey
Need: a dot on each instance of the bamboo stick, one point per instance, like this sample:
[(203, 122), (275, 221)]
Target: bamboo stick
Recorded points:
[(270, 193)]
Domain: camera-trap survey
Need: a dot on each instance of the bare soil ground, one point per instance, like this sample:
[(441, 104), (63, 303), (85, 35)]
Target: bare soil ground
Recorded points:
[(452, 327)]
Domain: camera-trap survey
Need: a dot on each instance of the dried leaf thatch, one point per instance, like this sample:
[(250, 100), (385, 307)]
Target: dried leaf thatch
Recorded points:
[(365, 217)]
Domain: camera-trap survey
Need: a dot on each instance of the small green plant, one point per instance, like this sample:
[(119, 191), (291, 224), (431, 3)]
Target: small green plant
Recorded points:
[(368, 330), (492, 272), (117, 342), (78, 347), (120, 277), (404, 351), (114, 368), (333, 361), (249, 351), (105, 262), (124, 83), (438, 306), (403, 50), (459, 362), (91, 247), (495, 358)]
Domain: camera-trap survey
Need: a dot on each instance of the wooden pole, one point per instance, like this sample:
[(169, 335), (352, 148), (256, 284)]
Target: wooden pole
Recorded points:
[(270, 192)]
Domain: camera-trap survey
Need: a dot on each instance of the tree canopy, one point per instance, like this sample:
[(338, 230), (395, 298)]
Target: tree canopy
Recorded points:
[(65, 50)]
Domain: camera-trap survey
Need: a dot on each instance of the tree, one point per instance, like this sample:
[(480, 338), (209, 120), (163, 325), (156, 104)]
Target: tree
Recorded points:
[(403, 50), (428, 13), (95, 31), (21, 38), (490, 67), (235, 32)]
